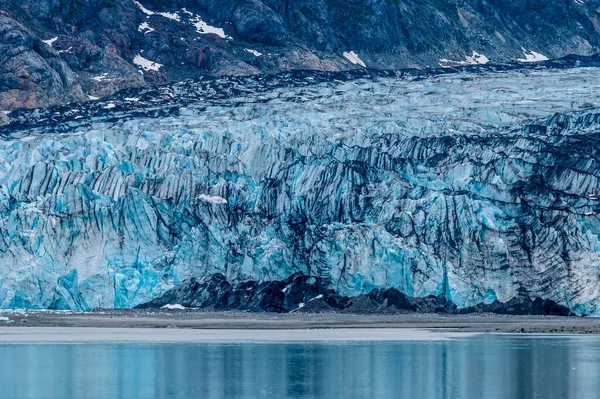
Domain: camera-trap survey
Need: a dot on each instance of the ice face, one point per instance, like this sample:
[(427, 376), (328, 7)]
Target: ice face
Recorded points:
[(475, 185)]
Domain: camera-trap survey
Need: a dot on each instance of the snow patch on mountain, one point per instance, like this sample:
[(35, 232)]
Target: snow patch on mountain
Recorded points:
[(145, 28), (144, 9), (353, 58), (253, 52), (532, 56), (170, 15), (204, 28), (101, 78), (477, 58), (146, 64), (50, 42), (474, 59)]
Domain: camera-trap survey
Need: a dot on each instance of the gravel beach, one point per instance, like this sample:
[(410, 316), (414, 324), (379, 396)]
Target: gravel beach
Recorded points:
[(196, 319)]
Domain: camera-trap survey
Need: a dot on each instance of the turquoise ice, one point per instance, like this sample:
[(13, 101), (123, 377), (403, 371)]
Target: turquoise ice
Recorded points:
[(476, 185)]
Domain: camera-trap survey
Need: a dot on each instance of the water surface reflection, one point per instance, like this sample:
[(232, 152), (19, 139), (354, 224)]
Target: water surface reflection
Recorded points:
[(485, 366)]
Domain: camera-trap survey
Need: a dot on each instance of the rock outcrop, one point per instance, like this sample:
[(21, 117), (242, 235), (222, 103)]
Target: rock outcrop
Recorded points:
[(301, 293)]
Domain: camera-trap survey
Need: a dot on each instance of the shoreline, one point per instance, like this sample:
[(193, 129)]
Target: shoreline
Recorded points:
[(232, 320), (79, 335)]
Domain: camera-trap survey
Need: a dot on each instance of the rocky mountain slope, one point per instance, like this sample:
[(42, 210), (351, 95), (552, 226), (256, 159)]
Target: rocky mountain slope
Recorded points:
[(476, 185), (61, 51)]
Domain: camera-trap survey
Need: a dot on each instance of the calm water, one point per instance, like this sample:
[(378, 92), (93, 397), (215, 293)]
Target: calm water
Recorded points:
[(481, 367)]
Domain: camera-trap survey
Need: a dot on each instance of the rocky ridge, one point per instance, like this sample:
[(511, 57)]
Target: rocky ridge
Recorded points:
[(301, 293), (57, 52)]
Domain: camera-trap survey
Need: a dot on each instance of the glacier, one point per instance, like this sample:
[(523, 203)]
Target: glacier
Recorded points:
[(475, 184)]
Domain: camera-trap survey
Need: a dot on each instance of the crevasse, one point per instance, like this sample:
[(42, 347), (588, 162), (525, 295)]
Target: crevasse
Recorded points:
[(479, 186)]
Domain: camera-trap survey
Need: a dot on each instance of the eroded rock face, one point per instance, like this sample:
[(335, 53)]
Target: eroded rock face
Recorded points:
[(30, 74), (476, 186), (215, 292), (255, 21), (102, 46)]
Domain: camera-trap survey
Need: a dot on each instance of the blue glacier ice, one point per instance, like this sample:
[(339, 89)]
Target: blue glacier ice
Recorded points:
[(477, 185)]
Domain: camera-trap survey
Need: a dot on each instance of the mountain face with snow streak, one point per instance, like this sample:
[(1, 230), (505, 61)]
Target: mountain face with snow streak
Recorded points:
[(57, 52), (476, 185)]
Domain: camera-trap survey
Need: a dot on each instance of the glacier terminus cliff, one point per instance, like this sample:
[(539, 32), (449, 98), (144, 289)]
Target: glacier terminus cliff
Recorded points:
[(479, 185)]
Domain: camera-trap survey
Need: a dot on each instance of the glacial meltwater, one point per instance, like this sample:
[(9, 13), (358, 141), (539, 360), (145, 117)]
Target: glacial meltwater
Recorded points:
[(482, 366)]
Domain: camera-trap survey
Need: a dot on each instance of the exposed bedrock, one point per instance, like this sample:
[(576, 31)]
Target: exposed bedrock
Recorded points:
[(301, 293), (64, 51)]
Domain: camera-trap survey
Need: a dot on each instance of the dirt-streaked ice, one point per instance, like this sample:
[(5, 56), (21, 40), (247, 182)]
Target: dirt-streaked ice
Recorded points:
[(479, 186)]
